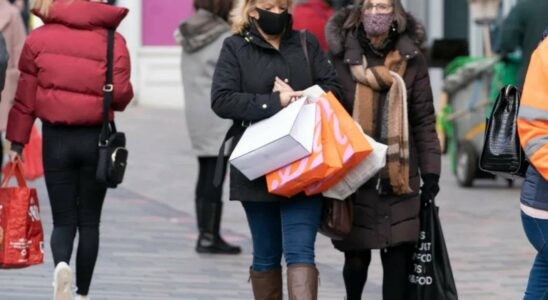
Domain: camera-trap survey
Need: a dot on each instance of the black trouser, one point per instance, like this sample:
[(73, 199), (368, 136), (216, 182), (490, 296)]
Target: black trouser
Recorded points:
[(396, 262), (209, 197), (70, 163), (205, 189)]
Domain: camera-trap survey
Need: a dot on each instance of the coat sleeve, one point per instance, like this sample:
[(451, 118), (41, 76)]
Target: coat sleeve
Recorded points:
[(533, 112), (422, 119), (227, 98), (346, 82), (513, 31), (121, 76), (22, 116), (4, 57), (324, 72)]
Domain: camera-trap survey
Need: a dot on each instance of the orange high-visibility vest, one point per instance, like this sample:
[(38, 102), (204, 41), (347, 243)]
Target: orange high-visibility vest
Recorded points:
[(533, 113)]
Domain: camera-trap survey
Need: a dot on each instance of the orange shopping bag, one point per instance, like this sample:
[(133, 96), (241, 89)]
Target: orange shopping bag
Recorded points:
[(351, 144), (321, 163)]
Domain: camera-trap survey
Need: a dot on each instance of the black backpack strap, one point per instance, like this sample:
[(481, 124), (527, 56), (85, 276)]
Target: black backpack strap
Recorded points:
[(304, 44), (108, 89)]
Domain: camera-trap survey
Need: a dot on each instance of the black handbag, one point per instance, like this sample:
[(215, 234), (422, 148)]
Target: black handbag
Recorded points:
[(431, 276), (112, 156), (502, 153)]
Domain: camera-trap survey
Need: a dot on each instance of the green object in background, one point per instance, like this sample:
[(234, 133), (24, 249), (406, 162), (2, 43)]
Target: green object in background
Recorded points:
[(505, 73), (448, 129), (459, 62)]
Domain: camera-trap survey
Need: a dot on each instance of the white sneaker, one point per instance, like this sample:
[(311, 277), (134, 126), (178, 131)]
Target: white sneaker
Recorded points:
[(80, 297), (62, 286)]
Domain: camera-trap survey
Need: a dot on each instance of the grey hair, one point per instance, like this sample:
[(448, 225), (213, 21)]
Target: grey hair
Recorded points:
[(355, 18)]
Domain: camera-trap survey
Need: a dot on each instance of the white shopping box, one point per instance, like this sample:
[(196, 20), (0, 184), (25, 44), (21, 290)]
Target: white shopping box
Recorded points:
[(279, 140)]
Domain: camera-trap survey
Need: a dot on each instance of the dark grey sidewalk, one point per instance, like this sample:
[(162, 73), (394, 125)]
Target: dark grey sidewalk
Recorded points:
[(148, 233)]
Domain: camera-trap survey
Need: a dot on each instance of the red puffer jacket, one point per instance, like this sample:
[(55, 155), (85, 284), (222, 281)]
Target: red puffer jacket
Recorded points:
[(63, 68), (312, 15)]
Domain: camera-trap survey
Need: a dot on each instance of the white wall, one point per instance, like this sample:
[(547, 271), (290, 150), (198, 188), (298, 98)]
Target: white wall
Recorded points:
[(131, 30), (156, 75), (159, 77)]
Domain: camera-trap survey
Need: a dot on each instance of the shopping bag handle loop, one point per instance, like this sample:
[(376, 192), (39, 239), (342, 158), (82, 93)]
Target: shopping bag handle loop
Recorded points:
[(17, 171)]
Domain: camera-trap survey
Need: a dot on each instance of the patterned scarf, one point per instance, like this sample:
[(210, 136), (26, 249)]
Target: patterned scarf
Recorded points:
[(380, 107)]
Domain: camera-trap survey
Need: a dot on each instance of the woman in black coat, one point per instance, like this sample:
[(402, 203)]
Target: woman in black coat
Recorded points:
[(367, 42), (262, 67)]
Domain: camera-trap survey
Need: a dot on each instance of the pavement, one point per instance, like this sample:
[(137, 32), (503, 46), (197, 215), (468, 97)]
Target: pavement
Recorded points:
[(148, 233)]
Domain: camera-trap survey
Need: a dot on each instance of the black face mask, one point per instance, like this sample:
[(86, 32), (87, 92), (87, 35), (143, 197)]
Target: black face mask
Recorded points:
[(272, 23)]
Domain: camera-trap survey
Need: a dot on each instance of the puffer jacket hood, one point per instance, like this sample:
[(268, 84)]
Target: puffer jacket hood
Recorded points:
[(414, 35), (200, 30), (83, 14)]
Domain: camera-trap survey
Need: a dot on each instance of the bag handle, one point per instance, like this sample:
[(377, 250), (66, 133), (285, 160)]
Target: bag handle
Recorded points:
[(108, 90), (17, 171)]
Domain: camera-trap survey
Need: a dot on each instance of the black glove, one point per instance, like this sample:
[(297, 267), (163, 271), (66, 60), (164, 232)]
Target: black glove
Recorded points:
[(430, 187)]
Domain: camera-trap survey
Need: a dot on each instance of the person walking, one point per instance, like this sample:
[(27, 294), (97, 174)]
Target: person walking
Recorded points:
[(261, 69), (63, 73), (202, 37), (533, 133), (521, 30), (13, 29), (376, 50), (312, 15)]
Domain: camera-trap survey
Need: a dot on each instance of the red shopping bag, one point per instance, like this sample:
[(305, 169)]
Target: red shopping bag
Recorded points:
[(21, 235), (32, 155), (321, 163), (352, 145)]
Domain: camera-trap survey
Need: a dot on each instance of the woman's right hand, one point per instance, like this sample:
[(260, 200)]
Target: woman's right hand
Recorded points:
[(288, 97)]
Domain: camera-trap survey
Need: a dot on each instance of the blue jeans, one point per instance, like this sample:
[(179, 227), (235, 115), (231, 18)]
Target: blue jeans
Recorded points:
[(537, 233), (287, 228)]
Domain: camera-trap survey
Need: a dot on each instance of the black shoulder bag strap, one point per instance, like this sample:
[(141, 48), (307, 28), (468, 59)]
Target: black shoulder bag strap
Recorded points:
[(304, 44), (108, 89), (234, 130)]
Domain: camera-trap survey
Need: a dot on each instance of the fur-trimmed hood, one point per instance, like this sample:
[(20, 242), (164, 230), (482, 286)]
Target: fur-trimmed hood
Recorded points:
[(412, 38)]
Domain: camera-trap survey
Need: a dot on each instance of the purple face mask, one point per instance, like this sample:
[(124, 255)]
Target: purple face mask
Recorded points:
[(377, 24)]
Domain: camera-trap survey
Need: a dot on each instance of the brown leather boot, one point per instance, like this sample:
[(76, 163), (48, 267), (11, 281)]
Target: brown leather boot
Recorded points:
[(267, 285), (302, 282)]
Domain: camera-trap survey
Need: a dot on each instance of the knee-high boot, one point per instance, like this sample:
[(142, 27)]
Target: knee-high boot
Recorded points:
[(302, 282), (267, 285)]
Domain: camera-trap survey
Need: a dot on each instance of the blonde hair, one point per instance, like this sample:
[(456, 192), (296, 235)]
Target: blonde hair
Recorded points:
[(240, 18), (42, 6)]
